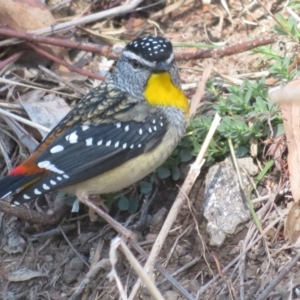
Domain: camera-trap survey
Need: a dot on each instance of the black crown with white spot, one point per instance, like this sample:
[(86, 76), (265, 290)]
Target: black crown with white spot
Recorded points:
[(151, 48)]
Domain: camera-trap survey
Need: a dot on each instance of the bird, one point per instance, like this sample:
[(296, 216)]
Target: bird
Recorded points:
[(117, 134)]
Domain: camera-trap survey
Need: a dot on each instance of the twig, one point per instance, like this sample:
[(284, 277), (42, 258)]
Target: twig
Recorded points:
[(181, 197), (10, 59), (185, 267), (52, 232), (22, 136), (284, 271), (122, 9), (24, 121), (60, 79), (33, 216), (113, 223), (106, 51), (72, 247), (36, 88), (117, 242), (61, 62), (231, 50), (196, 100)]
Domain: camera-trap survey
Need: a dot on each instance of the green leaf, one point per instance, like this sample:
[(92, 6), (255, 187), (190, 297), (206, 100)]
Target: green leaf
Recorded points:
[(133, 205), (278, 130), (186, 155), (240, 151), (163, 172), (175, 173), (145, 187), (123, 203)]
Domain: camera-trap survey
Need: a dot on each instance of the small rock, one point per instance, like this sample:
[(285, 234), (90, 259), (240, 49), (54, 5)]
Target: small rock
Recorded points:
[(225, 208), (185, 259), (151, 236), (248, 165), (158, 218), (171, 295), (72, 270)]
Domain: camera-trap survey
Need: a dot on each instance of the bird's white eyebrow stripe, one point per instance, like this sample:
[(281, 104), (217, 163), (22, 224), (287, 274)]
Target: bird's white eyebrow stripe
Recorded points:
[(131, 55)]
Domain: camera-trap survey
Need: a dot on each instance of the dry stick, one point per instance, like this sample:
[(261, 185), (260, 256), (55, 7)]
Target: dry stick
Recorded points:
[(155, 293), (122, 9), (181, 197), (107, 51), (3, 80), (234, 49), (163, 271), (185, 267), (33, 216), (10, 59), (25, 139), (93, 271), (60, 79), (23, 120), (72, 247), (280, 276), (61, 62), (113, 223)]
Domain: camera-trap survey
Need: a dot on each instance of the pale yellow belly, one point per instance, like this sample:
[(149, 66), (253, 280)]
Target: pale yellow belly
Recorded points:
[(130, 172)]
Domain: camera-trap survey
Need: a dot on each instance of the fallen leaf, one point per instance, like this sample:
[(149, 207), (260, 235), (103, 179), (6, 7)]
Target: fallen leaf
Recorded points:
[(23, 275), (44, 110), (25, 15)]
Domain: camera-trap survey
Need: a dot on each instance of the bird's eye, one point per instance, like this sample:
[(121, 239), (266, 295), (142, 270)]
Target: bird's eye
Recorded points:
[(135, 64)]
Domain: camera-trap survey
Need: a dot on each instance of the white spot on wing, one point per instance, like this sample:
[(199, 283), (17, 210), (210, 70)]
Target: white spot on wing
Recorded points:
[(37, 192), (25, 196), (155, 128), (59, 178), (131, 147), (126, 128), (72, 138), (124, 146), (53, 182), (119, 125), (16, 203), (100, 143), (139, 145), (66, 176), (150, 130), (44, 164), (108, 143), (117, 144), (140, 131), (85, 127), (46, 187), (57, 149), (53, 168), (89, 142)]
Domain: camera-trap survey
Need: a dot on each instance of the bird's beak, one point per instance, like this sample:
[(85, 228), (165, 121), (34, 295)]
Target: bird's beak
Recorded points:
[(161, 66)]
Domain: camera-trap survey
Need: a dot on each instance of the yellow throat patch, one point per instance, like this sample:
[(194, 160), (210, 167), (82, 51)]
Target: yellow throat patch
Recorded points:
[(162, 92)]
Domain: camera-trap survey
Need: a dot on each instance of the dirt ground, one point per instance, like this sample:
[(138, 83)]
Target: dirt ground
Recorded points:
[(70, 259)]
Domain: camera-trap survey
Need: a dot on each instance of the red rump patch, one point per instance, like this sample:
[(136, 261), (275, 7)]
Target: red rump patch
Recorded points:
[(20, 170)]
